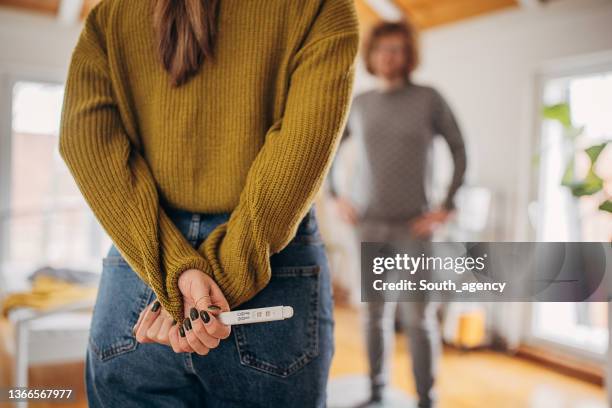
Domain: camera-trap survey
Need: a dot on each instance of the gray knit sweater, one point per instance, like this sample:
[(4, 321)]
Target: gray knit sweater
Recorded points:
[(394, 130)]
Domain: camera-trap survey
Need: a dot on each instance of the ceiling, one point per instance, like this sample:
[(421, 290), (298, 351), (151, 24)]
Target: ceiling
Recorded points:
[(42, 6), (424, 13), (431, 13), (76, 9)]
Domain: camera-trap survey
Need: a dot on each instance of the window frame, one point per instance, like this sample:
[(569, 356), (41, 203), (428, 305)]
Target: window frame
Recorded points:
[(576, 66), (10, 75)]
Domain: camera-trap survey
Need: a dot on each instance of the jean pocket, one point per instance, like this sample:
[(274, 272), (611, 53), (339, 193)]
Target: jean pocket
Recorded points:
[(122, 295), (283, 347)]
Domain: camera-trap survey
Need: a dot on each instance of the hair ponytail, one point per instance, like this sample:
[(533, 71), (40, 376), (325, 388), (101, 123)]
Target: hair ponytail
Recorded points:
[(185, 31)]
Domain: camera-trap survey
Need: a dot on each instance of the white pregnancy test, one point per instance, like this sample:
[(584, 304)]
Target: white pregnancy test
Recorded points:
[(260, 315)]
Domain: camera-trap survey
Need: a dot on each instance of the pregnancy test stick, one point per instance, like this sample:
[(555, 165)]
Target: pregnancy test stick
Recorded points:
[(260, 315)]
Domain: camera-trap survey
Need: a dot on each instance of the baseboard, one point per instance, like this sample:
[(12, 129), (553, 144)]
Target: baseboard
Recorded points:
[(572, 366)]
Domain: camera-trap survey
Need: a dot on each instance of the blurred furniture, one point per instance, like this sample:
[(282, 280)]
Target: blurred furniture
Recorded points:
[(342, 251), (465, 325), (472, 215), (53, 336)]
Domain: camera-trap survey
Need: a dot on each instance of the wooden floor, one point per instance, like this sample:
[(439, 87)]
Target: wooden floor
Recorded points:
[(473, 379)]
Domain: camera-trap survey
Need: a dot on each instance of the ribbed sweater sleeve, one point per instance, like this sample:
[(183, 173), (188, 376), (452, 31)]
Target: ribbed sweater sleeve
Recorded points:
[(332, 189), (114, 177), (291, 166)]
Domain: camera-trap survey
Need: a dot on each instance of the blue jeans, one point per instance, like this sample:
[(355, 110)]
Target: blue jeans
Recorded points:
[(275, 364)]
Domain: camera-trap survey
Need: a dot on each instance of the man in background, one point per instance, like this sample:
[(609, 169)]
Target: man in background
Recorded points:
[(394, 126)]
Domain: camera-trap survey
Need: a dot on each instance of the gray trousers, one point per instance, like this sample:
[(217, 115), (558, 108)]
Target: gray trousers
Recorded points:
[(418, 320)]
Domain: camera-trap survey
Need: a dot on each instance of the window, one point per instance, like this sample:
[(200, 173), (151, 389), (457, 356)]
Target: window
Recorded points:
[(48, 222), (584, 103), (564, 217)]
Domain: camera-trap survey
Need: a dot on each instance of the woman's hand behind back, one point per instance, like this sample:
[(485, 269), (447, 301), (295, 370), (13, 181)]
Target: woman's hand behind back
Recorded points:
[(201, 330)]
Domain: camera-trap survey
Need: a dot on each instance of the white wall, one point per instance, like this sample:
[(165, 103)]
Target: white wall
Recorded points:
[(487, 67), (32, 46), (35, 42)]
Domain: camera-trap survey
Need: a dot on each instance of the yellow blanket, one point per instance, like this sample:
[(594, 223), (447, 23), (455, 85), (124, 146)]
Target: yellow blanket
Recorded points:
[(48, 292)]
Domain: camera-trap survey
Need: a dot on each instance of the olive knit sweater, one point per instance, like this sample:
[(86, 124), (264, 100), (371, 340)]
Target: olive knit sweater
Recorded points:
[(253, 133)]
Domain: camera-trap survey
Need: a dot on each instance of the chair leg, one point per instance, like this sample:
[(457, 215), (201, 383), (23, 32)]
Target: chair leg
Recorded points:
[(21, 358)]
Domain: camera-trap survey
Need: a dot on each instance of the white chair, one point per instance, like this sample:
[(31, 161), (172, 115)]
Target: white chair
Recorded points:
[(55, 336)]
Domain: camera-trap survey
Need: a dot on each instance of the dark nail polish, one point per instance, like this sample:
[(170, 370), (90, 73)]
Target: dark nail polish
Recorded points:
[(205, 316), (173, 322), (193, 313), (187, 324), (155, 306), (182, 331), (214, 307)]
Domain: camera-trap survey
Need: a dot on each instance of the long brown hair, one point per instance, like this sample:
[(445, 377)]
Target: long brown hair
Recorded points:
[(186, 31)]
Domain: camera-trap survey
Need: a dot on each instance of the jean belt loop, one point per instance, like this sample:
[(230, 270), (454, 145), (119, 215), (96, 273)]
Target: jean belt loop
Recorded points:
[(194, 228), (312, 213)]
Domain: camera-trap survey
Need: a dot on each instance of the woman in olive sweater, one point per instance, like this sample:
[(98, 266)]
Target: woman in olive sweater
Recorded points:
[(199, 133)]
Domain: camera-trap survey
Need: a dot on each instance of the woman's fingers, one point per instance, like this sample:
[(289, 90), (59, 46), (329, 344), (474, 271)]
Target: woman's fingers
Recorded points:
[(155, 324), (140, 316), (158, 332), (199, 333), (178, 339), (164, 331), (215, 328), (174, 337), (219, 302), (202, 329), (193, 339), (155, 327), (148, 319), (183, 343), (198, 320)]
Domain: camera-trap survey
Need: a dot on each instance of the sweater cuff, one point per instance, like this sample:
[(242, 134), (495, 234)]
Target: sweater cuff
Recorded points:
[(238, 284)]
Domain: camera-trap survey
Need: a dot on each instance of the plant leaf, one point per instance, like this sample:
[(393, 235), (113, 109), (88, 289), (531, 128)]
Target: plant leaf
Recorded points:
[(568, 175), (559, 112), (606, 206), (595, 151), (591, 184)]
